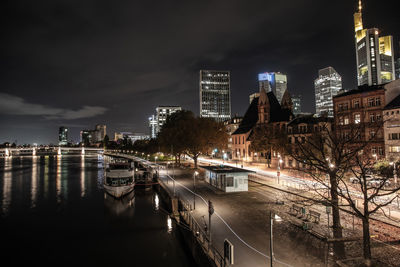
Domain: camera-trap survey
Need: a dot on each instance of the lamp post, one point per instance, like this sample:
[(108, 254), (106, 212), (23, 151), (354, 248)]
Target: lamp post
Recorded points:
[(278, 172), (394, 171), (194, 189)]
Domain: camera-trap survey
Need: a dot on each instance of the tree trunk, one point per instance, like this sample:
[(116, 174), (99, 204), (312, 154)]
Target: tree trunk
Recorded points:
[(195, 161), (366, 240), (338, 247)]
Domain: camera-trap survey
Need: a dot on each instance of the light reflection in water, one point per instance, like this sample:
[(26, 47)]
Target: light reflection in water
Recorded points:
[(46, 176), (169, 224), (34, 182), (58, 179), (7, 183), (156, 202), (83, 188)]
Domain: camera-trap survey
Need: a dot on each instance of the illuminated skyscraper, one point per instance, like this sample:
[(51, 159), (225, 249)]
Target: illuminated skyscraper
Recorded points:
[(153, 126), (275, 82), (162, 112), (215, 95), (63, 136), (296, 100), (374, 54), (100, 132), (327, 85)]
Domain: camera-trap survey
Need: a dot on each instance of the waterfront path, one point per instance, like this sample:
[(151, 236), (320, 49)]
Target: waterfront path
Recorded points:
[(243, 218)]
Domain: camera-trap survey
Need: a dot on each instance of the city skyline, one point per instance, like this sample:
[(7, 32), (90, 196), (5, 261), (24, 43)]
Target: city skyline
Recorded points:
[(71, 74)]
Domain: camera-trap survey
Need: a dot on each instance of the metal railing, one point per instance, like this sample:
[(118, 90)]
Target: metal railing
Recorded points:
[(200, 233)]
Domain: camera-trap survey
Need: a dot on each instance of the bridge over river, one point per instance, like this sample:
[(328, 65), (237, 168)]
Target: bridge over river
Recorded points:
[(49, 150)]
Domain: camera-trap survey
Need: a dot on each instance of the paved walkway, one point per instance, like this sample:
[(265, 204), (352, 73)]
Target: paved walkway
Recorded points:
[(243, 218)]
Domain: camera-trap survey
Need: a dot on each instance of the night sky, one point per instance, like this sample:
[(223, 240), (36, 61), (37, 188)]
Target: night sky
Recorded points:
[(80, 63)]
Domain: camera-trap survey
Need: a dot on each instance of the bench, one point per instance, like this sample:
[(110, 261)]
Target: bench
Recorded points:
[(313, 216), (296, 209)]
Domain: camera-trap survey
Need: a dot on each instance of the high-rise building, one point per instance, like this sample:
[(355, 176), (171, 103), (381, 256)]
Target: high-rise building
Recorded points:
[(63, 136), (327, 85), (153, 126), (86, 137), (215, 95), (275, 82), (374, 54), (296, 100), (100, 132), (162, 112)]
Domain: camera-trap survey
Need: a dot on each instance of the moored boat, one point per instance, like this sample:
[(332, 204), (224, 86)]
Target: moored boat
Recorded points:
[(119, 179)]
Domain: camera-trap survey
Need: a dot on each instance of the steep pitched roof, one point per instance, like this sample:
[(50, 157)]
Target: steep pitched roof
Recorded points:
[(250, 118), (277, 113)]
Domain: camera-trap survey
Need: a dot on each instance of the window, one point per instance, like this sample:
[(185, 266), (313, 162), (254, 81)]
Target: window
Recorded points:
[(372, 134), (371, 117), (394, 136), (357, 118), (380, 151), (394, 149), (370, 102), (373, 150), (346, 120), (356, 104), (345, 106), (340, 120), (377, 101), (378, 117), (229, 181), (340, 107)]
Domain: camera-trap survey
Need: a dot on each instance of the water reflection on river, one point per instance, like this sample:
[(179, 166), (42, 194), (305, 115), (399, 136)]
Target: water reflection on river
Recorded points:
[(54, 212)]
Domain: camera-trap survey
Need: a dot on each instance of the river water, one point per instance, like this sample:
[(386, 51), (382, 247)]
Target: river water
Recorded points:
[(53, 211)]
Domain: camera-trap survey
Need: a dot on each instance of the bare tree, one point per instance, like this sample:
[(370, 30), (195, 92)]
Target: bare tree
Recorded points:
[(376, 193)]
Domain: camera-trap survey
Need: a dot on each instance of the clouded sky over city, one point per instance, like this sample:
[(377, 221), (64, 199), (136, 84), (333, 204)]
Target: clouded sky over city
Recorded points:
[(80, 63)]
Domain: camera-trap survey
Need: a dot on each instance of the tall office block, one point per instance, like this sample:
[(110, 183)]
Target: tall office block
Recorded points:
[(153, 126), (63, 136), (327, 85), (100, 132), (374, 53), (296, 100), (162, 112), (215, 95), (275, 82)]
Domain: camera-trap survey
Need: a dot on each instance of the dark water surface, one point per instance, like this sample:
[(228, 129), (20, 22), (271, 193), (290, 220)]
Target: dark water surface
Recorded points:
[(54, 212)]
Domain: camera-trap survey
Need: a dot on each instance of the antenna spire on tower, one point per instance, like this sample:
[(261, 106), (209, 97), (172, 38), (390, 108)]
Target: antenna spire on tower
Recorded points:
[(359, 6)]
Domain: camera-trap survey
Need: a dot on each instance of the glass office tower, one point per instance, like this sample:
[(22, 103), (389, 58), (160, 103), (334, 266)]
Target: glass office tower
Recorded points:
[(215, 95), (273, 81), (327, 85)]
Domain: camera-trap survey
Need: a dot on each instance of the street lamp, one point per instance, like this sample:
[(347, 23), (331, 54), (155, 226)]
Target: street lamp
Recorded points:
[(394, 171), (376, 157), (278, 173), (194, 189), (224, 156)]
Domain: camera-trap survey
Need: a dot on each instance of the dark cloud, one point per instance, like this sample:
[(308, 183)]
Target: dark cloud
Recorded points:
[(12, 105), (131, 56)]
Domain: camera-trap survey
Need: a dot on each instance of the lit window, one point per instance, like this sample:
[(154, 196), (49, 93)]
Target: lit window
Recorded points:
[(357, 118)]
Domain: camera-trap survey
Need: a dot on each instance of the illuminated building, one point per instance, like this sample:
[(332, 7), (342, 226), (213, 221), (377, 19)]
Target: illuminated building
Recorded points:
[(86, 137), (157, 121), (162, 112), (153, 126), (374, 54), (296, 99), (398, 68), (215, 95), (327, 85), (275, 82), (100, 132), (62, 136)]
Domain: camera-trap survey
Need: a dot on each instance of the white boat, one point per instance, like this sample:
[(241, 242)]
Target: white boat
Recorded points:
[(119, 179)]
